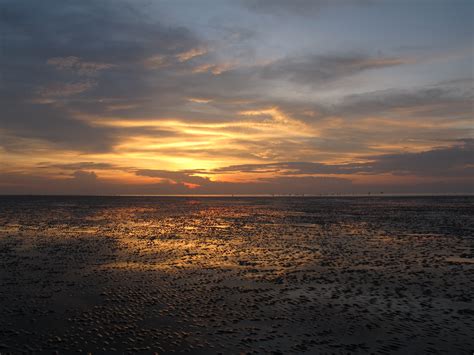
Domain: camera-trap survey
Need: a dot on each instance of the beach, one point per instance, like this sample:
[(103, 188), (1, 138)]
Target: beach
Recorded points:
[(231, 275)]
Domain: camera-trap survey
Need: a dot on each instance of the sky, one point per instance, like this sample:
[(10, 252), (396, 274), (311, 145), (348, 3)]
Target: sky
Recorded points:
[(236, 96)]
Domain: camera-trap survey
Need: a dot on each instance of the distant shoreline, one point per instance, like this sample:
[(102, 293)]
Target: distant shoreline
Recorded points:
[(253, 195)]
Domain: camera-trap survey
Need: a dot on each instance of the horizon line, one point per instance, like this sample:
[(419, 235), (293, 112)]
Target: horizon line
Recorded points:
[(375, 194)]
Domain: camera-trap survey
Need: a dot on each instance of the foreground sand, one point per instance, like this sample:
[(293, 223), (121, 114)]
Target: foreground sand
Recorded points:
[(233, 275)]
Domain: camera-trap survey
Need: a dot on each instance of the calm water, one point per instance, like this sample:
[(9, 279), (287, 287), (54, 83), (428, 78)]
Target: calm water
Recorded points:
[(298, 274)]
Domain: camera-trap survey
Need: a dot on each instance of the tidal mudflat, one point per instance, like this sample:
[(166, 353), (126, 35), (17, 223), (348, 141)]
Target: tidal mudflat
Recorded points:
[(237, 275)]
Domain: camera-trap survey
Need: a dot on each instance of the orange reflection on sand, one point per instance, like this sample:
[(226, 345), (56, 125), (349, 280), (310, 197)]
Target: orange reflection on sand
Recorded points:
[(212, 238)]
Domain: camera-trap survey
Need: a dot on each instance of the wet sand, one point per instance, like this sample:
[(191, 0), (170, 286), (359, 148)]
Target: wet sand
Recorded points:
[(237, 275)]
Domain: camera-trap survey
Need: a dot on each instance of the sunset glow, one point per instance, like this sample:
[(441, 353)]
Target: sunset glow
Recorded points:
[(196, 106)]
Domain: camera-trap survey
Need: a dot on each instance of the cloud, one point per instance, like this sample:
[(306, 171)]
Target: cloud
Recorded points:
[(55, 125), (17, 183), (295, 7), (88, 183), (454, 161), (441, 100), (293, 168), (78, 66), (448, 169), (190, 54), (87, 165), (80, 182), (67, 60), (86, 38), (55, 90), (317, 69), (179, 177), (188, 182), (87, 177)]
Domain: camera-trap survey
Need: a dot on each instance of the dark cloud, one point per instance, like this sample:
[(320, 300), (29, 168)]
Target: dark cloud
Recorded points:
[(450, 167), (86, 177), (53, 124), (251, 82), (293, 168), (175, 176), (317, 69), (109, 31), (180, 182), (455, 161), (80, 183), (86, 165), (68, 57), (295, 7), (83, 182), (442, 100), (16, 183)]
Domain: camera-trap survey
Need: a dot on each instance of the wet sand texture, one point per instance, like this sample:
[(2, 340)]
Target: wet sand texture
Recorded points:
[(236, 275)]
